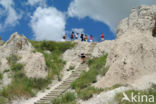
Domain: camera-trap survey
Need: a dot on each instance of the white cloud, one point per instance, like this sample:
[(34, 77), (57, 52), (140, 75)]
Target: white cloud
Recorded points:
[(110, 12), (34, 2), (8, 10), (78, 30), (48, 24)]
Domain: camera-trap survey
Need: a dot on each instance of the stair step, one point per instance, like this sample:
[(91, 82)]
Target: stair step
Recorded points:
[(53, 96), (43, 102), (46, 98)]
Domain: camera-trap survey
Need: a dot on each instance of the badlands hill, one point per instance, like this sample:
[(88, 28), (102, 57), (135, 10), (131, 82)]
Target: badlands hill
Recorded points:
[(133, 55)]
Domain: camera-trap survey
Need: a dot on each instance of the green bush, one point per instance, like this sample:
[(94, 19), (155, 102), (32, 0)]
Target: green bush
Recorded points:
[(67, 98)]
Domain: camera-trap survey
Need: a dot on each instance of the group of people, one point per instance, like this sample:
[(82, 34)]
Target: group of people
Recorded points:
[(83, 37)]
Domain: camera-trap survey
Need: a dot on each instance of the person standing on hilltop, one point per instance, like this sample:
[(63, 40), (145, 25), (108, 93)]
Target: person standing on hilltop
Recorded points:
[(82, 39), (0, 38), (91, 38), (72, 36), (65, 37), (102, 37), (76, 36), (86, 38)]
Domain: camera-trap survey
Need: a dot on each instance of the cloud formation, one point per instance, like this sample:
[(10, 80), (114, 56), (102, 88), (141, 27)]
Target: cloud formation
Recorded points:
[(48, 24), (110, 12), (34, 2), (9, 12), (78, 30)]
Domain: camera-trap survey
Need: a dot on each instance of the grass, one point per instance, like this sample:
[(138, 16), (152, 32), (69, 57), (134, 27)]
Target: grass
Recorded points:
[(6, 70), (1, 76), (3, 100), (88, 92), (67, 98), (53, 61), (82, 84), (71, 68), (52, 46), (150, 91), (21, 85)]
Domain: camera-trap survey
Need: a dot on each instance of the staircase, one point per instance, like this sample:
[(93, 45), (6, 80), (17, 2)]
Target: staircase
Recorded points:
[(65, 85)]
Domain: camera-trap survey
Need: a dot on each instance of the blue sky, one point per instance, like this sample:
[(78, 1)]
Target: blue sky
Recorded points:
[(51, 19)]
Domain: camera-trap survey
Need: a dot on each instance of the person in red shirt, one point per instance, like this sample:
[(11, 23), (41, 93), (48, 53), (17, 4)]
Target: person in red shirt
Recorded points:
[(91, 38), (102, 37)]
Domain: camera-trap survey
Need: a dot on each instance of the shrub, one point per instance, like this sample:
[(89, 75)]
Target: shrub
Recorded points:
[(67, 98)]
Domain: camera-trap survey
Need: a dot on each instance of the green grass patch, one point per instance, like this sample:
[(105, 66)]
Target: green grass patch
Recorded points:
[(1, 76), (67, 98), (21, 85), (54, 60), (82, 84), (52, 46), (28, 87), (5, 71), (71, 68), (3, 100), (139, 93), (88, 92), (96, 65)]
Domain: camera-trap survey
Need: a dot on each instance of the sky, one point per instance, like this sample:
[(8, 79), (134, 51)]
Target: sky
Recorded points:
[(51, 19)]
